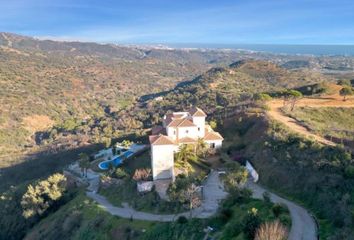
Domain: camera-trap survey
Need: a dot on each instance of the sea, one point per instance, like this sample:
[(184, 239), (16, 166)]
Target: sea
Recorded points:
[(316, 50)]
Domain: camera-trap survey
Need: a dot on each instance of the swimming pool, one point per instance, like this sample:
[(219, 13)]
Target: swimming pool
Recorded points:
[(115, 161)]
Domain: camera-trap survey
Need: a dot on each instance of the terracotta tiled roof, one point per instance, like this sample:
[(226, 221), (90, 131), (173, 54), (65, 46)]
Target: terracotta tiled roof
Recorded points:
[(161, 140), (210, 136), (152, 138), (184, 122), (187, 140), (187, 123), (197, 112), (173, 116)]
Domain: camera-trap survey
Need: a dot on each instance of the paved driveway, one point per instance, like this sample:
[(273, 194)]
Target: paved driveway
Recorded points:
[(303, 226)]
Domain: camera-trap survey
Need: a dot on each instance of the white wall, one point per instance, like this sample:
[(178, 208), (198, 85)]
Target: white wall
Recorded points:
[(218, 143), (200, 122), (192, 132), (171, 132), (162, 161)]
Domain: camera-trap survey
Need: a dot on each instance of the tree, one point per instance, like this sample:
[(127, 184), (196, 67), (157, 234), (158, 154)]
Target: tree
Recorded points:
[(346, 91), (293, 96), (201, 147), (236, 178), (41, 197), (84, 163), (192, 197), (184, 154), (127, 143), (107, 141), (271, 231), (345, 82), (213, 124), (251, 223), (262, 97)]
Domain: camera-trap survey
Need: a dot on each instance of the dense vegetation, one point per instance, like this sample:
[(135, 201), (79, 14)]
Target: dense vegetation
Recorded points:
[(320, 177), (82, 219), (61, 99)]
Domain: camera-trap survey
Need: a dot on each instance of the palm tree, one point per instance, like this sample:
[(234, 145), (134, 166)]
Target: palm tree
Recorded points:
[(84, 163), (201, 147), (185, 153)]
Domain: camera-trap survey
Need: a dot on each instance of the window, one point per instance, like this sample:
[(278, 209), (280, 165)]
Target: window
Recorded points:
[(187, 131), (212, 145), (199, 129), (174, 132)]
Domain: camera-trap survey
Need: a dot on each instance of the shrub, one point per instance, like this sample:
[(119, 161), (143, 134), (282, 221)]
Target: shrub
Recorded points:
[(233, 229), (226, 214), (278, 209), (344, 82), (285, 219), (39, 198), (142, 174), (251, 223), (266, 197), (120, 173), (262, 97), (271, 231), (182, 220), (349, 171)]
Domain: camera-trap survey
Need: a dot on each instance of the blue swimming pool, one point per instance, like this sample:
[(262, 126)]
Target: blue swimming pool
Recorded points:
[(115, 161)]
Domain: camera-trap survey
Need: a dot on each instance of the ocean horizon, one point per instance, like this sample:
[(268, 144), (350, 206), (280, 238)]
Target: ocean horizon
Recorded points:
[(291, 49)]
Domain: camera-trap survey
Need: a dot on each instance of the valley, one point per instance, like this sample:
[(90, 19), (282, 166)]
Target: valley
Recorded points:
[(62, 99)]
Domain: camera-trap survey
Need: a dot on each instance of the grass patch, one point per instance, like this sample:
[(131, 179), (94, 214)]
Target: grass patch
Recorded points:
[(327, 121)]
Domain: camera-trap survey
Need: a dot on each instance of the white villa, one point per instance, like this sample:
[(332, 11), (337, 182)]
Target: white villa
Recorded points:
[(178, 128)]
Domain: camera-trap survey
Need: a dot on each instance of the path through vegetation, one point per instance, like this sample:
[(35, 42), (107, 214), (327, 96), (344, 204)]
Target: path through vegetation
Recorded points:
[(326, 101)]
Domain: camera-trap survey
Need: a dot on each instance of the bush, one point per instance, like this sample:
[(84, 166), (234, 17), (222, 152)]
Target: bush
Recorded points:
[(142, 174), (349, 171), (266, 197), (39, 198), (344, 82), (182, 220), (278, 209), (233, 229), (226, 214), (262, 97), (274, 231), (285, 219), (120, 173), (251, 223)]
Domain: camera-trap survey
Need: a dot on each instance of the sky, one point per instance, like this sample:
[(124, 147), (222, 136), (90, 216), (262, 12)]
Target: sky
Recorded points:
[(183, 21)]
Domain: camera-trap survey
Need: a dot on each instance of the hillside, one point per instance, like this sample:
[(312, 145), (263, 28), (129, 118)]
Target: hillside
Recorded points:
[(48, 87), (227, 86), (61, 99), (43, 83)]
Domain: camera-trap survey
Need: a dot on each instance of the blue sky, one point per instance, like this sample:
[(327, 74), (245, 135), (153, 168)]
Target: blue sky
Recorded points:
[(182, 21)]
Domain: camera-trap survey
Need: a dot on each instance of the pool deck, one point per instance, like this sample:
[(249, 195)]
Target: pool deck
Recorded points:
[(134, 149)]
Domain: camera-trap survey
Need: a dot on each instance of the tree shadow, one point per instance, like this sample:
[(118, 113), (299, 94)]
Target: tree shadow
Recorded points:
[(41, 165)]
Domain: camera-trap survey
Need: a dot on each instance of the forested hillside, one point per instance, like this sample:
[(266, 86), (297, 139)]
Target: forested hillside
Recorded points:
[(45, 83)]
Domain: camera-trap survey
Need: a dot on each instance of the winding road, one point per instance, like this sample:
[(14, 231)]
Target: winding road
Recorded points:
[(303, 226), (213, 194)]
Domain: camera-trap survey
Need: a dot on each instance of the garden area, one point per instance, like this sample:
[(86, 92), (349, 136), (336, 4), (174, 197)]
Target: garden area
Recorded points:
[(119, 185), (240, 217)]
